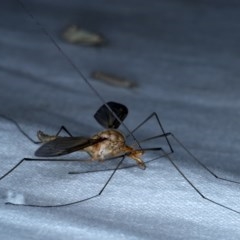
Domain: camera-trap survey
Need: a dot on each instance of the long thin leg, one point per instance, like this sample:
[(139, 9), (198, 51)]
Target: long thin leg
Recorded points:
[(19, 128), (62, 128), (193, 157), (109, 179), (38, 159), (202, 164), (169, 134), (165, 134), (196, 189), (70, 203)]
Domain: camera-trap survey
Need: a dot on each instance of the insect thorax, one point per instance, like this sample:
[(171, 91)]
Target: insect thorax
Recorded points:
[(111, 134), (113, 145)]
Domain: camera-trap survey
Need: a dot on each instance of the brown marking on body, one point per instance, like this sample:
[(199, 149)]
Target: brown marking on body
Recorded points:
[(113, 145)]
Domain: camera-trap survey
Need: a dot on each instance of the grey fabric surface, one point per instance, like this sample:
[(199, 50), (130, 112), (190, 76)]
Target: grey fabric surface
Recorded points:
[(184, 55)]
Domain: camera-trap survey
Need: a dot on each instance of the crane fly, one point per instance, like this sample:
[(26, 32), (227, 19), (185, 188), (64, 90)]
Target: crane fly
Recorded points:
[(105, 144), (108, 144)]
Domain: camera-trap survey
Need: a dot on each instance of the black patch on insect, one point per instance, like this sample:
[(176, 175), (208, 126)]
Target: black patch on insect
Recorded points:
[(106, 118)]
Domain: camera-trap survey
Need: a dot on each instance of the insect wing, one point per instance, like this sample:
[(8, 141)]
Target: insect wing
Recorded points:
[(106, 118), (65, 145)]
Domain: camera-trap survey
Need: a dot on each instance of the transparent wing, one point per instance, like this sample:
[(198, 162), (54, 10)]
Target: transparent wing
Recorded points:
[(106, 118), (65, 145)]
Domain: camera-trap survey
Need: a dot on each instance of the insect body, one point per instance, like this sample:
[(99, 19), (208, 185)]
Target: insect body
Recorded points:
[(105, 144)]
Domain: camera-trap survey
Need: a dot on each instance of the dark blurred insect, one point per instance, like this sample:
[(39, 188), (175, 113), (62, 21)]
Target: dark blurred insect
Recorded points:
[(113, 80), (76, 35)]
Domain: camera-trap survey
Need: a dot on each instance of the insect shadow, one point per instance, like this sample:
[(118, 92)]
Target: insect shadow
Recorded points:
[(106, 145)]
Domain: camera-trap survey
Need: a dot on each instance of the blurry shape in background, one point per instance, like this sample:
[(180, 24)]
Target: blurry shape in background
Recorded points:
[(113, 80), (76, 35)]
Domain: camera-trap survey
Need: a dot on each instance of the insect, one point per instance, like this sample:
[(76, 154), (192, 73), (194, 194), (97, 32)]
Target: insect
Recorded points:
[(109, 117), (104, 144)]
